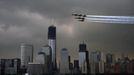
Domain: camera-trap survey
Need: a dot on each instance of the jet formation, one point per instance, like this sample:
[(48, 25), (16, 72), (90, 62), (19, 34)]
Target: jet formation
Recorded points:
[(80, 17), (104, 19)]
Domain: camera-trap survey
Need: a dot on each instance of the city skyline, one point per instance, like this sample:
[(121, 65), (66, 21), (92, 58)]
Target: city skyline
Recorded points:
[(28, 22), (94, 62)]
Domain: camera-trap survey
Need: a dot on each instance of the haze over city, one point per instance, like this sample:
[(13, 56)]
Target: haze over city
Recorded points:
[(28, 21)]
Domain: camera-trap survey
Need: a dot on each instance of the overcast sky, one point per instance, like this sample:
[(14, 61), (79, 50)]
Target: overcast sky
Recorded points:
[(28, 20)]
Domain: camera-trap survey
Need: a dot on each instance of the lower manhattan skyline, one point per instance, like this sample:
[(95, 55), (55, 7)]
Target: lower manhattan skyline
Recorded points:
[(28, 21)]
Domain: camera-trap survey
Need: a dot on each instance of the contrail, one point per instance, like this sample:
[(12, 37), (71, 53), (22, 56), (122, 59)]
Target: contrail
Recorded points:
[(105, 19), (110, 19)]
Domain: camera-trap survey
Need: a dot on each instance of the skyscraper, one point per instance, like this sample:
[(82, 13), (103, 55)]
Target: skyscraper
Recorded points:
[(52, 44), (48, 58), (82, 58), (44, 55), (76, 67), (110, 58), (96, 62), (43, 58), (64, 64), (26, 54), (87, 61)]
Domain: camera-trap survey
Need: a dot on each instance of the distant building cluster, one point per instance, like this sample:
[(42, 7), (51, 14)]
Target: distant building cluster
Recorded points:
[(45, 62), (9, 66)]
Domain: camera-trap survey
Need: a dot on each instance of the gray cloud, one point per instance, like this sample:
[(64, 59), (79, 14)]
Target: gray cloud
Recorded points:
[(28, 20)]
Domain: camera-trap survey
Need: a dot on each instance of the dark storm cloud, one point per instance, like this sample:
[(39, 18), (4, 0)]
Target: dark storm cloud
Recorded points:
[(27, 21)]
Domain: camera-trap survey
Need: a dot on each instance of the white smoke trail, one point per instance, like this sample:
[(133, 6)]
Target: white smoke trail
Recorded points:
[(110, 19)]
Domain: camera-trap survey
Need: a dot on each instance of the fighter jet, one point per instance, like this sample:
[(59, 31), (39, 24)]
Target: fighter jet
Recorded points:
[(82, 20), (79, 15)]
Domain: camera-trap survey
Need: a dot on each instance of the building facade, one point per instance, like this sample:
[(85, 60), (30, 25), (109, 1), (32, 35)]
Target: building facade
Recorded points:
[(83, 58), (64, 63), (9, 66), (26, 54), (52, 44), (96, 62)]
